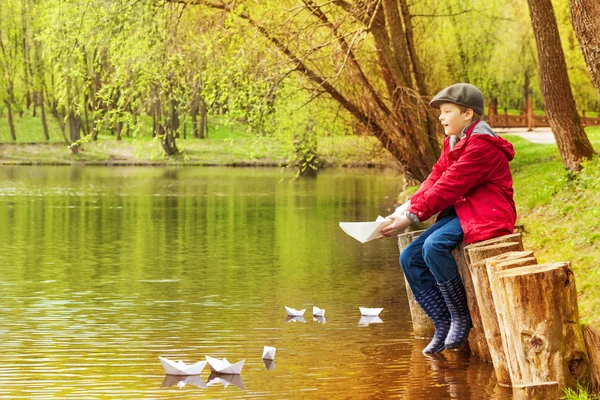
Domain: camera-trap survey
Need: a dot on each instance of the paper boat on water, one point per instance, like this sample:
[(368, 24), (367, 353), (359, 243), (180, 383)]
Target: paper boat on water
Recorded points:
[(365, 231), (224, 367), (370, 312), (318, 312), (226, 380), (181, 368), (181, 381), (292, 312), (269, 353), (365, 321)]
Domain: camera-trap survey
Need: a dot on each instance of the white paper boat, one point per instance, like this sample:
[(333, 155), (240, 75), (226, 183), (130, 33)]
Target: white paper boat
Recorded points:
[(295, 319), (365, 231), (365, 321), (320, 320), (226, 380), (370, 312), (318, 312), (181, 381), (181, 368), (269, 353), (224, 367), (292, 312)]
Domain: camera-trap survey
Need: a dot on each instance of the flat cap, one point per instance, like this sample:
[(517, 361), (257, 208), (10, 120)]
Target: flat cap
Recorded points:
[(462, 94)]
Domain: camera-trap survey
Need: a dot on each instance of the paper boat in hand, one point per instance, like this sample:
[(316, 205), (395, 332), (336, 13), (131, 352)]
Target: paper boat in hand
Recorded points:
[(269, 353), (365, 231), (365, 321), (318, 312), (370, 312), (224, 367), (292, 312), (181, 368)]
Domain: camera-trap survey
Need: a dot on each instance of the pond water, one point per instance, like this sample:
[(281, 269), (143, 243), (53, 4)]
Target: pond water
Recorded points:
[(105, 269)]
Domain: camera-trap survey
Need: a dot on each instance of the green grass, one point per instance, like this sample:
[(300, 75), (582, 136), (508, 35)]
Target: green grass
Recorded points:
[(578, 394), (561, 214)]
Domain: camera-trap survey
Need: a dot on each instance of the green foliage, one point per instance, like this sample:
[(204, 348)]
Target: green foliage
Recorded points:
[(580, 393)]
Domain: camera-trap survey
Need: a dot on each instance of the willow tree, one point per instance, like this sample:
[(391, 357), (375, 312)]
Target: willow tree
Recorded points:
[(585, 16), (362, 55), (573, 144)]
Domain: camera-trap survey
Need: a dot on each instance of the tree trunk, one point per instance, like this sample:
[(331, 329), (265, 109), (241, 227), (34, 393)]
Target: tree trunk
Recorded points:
[(422, 326), (573, 144), (434, 135), (203, 132), (43, 116), (537, 308), (11, 123), (194, 117), (585, 16), (74, 130)]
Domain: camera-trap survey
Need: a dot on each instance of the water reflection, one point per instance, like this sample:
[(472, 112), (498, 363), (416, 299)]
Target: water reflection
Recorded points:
[(365, 321), (269, 364), (225, 380), (289, 318), (181, 381), (319, 320), (105, 269)]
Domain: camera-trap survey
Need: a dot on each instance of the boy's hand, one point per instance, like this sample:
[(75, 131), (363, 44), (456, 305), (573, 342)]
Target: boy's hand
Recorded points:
[(401, 222)]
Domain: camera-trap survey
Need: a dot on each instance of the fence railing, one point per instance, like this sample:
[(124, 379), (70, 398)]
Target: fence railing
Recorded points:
[(527, 119)]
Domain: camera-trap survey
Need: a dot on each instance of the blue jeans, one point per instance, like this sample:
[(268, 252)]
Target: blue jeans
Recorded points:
[(428, 260)]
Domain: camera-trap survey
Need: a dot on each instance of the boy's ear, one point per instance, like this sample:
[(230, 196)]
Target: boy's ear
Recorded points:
[(469, 114)]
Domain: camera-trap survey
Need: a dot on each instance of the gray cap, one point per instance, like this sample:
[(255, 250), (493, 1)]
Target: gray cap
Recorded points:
[(462, 94)]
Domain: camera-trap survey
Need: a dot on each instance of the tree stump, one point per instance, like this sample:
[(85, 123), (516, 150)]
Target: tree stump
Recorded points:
[(422, 326), (513, 237), (483, 293), (477, 341), (537, 309)]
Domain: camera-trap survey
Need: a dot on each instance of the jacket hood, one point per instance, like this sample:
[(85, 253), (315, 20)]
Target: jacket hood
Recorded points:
[(485, 132)]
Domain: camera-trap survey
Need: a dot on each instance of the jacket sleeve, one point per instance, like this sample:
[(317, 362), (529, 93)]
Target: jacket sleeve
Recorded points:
[(436, 172), (470, 170)]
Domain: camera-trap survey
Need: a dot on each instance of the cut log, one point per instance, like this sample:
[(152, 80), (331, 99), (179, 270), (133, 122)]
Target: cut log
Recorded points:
[(483, 293), (422, 326), (477, 341), (537, 309), (513, 237)]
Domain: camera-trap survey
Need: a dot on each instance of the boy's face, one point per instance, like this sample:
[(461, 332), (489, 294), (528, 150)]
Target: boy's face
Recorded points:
[(453, 120)]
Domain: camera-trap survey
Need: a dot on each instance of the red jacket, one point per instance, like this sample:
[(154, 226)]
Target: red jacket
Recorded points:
[(474, 177)]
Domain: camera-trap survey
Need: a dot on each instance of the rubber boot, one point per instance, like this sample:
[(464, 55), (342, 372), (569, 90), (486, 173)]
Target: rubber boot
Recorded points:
[(434, 305), (454, 295)]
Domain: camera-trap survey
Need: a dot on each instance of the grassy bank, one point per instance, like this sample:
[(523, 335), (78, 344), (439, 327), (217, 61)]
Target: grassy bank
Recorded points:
[(227, 144), (561, 214)]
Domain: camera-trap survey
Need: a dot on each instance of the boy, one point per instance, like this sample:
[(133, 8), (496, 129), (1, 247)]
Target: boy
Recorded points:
[(470, 187)]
